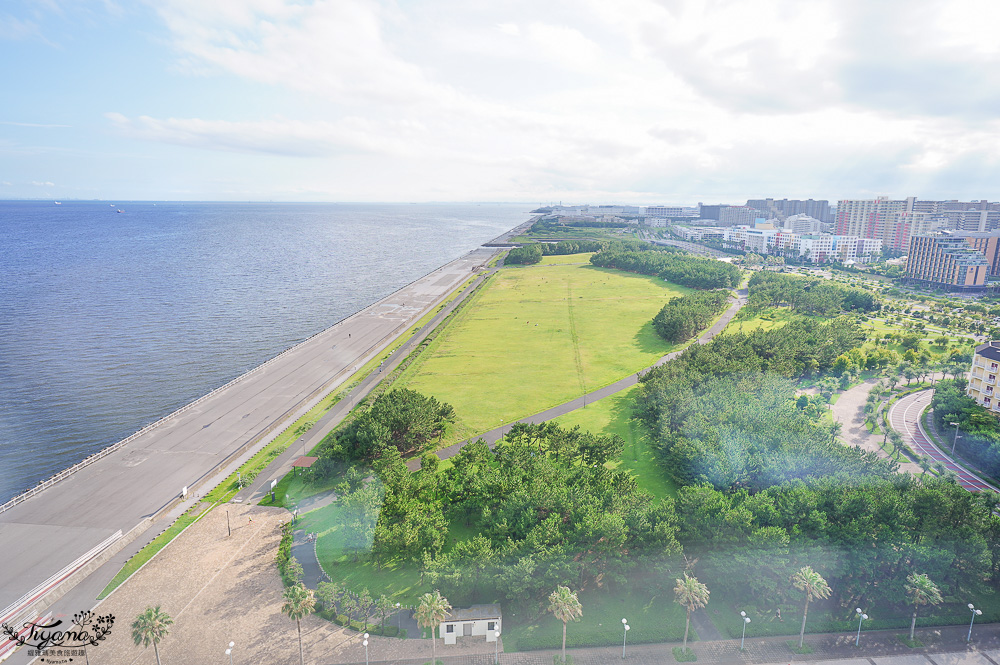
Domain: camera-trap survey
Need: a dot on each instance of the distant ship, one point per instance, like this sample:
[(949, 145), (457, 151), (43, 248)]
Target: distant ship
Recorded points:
[(58, 203), (120, 210)]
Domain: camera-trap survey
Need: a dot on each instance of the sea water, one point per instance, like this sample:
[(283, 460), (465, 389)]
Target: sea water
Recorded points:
[(110, 320)]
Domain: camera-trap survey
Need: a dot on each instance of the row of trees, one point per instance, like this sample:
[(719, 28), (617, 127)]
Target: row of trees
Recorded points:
[(980, 432), (680, 269), (808, 295), (684, 316)]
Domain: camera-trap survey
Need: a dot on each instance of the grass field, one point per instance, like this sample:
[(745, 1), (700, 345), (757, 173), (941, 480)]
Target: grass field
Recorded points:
[(613, 415), (652, 617), (774, 317), (539, 336)]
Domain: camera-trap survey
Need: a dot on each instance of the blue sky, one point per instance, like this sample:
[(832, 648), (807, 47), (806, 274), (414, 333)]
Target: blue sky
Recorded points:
[(644, 101)]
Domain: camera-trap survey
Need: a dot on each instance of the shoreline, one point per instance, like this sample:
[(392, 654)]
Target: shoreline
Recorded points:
[(43, 522)]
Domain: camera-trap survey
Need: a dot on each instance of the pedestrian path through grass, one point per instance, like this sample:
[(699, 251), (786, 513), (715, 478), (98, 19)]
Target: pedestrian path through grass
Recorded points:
[(534, 336)]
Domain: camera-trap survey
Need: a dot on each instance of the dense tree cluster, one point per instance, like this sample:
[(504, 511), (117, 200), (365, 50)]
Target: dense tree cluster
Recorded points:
[(555, 224), (572, 247), (808, 295), (680, 269), (865, 533), (682, 317), (545, 507), (526, 255), (979, 439), (402, 419), (744, 431)]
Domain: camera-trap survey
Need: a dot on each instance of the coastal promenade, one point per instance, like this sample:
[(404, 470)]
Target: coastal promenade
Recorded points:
[(140, 480)]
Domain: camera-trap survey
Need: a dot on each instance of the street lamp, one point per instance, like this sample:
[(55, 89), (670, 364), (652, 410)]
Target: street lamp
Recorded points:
[(975, 613), (625, 635), (399, 627), (496, 645), (861, 617), (365, 642), (229, 652), (954, 439), (501, 429), (746, 620)]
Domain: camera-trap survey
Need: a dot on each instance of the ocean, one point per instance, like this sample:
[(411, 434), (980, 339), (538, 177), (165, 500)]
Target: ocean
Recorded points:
[(109, 321)]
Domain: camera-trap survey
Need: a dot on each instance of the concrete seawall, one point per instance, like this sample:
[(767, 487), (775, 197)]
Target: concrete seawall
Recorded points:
[(142, 476)]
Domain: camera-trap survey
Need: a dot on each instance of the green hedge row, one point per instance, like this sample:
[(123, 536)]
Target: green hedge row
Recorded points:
[(605, 637)]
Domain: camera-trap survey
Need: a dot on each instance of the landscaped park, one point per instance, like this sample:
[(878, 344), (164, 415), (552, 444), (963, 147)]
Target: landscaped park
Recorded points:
[(713, 468), (716, 484)]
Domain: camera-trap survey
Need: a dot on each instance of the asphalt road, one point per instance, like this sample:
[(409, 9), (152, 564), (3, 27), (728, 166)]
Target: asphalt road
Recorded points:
[(48, 531), (904, 417)]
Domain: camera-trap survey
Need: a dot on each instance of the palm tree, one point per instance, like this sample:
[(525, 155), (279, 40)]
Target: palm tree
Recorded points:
[(432, 610), (922, 591), (691, 595), (564, 604), (814, 586), (150, 627), (299, 602)]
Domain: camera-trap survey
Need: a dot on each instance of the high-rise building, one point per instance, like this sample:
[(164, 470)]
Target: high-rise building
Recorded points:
[(893, 221), (781, 208), (981, 216), (942, 259)]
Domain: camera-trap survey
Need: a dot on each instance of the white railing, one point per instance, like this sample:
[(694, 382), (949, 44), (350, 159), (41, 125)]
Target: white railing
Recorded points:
[(49, 482)]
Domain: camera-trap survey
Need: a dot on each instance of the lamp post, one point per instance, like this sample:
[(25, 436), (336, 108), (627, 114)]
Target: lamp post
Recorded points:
[(399, 627), (501, 429), (975, 613), (954, 439), (626, 628), (496, 646), (365, 642), (861, 617), (229, 652), (746, 620)]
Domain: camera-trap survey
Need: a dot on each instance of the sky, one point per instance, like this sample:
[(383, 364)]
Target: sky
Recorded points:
[(580, 101)]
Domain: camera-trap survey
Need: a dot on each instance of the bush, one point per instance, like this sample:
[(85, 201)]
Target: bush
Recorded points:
[(684, 655)]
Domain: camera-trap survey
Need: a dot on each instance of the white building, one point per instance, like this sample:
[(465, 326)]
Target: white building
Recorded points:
[(812, 247), (983, 375), (475, 621)]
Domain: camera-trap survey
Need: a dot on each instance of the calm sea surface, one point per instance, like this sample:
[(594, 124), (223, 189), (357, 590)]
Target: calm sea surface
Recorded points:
[(109, 321)]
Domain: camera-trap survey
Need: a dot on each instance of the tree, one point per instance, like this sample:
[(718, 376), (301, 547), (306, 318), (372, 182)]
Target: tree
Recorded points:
[(691, 595), (327, 594), (922, 591), (383, 605), (812, 583), (299, 602), (150, 627), (432, 610), (564, 604)]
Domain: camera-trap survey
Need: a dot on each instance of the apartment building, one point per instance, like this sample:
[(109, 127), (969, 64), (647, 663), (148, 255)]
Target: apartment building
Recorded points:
[(983, 376), (947, 260), (892, 221), (812, 247), (979, 216), (781, 208)]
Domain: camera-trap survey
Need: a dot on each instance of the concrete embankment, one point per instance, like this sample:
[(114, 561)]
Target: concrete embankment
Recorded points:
[(144, 479)]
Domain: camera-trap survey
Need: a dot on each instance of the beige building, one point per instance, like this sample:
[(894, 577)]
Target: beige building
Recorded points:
[(983, 376)]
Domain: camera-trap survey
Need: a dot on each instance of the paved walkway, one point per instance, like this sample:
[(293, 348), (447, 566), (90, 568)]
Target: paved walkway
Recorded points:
[(493, 435), (849, 411), (943, 646)]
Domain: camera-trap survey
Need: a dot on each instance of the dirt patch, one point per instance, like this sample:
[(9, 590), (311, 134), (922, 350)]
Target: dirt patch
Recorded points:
[(221, 589)]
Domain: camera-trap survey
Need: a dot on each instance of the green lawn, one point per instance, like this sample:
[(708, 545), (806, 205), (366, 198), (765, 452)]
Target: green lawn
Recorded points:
[(774, 317), (613, 415), (539, 336), (652, 616), (398, 581)]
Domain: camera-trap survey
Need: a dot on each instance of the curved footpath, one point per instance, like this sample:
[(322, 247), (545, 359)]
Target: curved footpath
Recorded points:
[(200, 444), (589, 398)]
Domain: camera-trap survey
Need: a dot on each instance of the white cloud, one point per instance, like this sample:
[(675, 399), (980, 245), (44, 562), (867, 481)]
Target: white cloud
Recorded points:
[(275, 137), (640, 97)]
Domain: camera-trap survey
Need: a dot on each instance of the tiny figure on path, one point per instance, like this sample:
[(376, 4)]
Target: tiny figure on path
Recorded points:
[(251, 520)]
